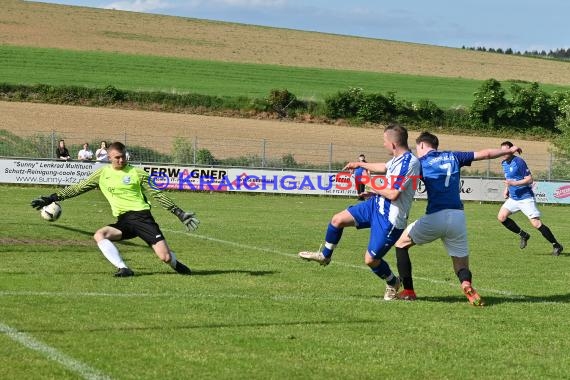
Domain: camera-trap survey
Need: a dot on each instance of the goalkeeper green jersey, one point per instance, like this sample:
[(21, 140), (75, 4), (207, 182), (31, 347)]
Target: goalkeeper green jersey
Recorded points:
[(124, 189)]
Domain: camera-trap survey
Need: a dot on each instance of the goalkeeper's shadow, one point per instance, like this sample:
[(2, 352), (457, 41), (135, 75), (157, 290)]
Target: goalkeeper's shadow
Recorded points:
[(213, 272), (232, 271)]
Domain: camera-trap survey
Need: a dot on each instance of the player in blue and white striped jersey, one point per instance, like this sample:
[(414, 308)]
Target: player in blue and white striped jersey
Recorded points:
[(385, 210)]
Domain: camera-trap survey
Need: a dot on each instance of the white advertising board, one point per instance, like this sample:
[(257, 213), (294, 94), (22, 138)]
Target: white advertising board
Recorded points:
[(191, 178)]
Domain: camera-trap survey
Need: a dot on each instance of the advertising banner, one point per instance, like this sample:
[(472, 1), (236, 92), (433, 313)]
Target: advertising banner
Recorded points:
[(45, 172), (192, 178)]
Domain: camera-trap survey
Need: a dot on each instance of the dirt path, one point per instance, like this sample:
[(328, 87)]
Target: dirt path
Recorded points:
[(225, 137)]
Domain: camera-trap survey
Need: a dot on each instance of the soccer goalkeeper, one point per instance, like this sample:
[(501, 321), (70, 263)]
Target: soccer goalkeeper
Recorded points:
[(124, 186)]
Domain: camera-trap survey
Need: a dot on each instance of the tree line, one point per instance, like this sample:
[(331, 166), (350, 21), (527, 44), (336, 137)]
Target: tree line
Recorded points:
[(557, 54)]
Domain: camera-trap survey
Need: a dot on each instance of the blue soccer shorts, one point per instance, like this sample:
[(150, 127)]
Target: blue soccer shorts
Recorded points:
[(383, 235)]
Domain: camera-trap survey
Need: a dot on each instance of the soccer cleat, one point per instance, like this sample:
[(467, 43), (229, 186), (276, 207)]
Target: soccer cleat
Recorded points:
[(407, 295), (182, 269), (124, 272), (315, 256), (557, 250), (524, 239), (391, 292), (471, 294)]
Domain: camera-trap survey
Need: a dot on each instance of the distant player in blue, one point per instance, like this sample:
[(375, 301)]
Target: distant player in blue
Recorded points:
[(359, 173), (385, 211), (445, 218), (520, 197)]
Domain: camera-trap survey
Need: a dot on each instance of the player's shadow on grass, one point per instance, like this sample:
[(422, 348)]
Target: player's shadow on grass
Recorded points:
[(210, 272), (214, 272), (497, 300)]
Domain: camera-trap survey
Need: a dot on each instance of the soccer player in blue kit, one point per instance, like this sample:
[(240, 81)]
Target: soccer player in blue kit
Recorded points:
[(444, 218), (520, 197), (359, 173), (385, 210)]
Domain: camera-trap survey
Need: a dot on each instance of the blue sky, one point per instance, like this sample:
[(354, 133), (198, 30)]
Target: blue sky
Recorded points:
[(518, 24)]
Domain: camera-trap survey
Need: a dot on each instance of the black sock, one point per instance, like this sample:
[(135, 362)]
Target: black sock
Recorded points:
[(545, 231), (404, 268), (512, 226), (464, 274), (181, 268)]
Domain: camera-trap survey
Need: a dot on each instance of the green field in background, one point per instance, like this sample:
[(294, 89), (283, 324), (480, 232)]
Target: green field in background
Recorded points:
[(22, 65), (252, 309)]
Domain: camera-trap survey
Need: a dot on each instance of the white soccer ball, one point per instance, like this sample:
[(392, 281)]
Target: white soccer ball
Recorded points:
[(51, 212)]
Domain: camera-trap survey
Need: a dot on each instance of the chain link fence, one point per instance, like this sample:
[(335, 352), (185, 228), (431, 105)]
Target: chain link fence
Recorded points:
[(258, 153)]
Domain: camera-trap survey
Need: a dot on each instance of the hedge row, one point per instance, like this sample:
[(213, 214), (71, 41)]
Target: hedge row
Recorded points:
[(529, 108)]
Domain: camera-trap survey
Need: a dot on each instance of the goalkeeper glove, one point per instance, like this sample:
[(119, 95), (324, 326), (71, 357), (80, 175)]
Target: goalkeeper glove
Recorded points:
[(44, 200), (187, 218)]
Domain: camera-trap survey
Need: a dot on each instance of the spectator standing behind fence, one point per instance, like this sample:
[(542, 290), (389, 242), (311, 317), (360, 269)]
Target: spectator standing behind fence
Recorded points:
[(359, 173), (85, 154), (61, 151), (101, 153)]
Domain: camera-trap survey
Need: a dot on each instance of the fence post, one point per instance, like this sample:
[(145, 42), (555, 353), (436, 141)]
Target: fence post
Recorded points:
[(263, 153), (330, 156), (194, 149), (53, 144), (488, 168), (551, 159)]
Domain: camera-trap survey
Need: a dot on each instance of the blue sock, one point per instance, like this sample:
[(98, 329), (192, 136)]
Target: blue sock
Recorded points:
[(331, 239), (385, 273)]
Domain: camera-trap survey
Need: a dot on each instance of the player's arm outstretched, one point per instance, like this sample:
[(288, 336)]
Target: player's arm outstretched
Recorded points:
[(371, 167), (89, 183), (188, 218), (487, 154)]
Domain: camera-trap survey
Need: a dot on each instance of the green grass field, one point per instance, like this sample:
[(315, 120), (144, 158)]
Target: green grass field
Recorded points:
[(21, 65), (252, 309)]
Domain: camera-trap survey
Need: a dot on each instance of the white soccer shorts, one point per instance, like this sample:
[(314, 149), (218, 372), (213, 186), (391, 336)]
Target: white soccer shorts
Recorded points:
[(527, 206), (447, 225)]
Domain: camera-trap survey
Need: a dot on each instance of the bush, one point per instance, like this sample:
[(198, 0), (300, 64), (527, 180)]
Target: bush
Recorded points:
[(288, 161), (375, 108), (344, 104), (182, 151), (280, 101), (111, 94), (489, 105), (531, 106), (205, 157), (428, 111), (252, 160)]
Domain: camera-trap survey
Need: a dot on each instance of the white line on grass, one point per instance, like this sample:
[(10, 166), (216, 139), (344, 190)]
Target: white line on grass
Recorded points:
[(51, 353)]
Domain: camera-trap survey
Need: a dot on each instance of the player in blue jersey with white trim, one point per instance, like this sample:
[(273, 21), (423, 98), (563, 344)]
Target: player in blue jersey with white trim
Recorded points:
[(445, 218), (520, 197), (385, 210), (359, 173)]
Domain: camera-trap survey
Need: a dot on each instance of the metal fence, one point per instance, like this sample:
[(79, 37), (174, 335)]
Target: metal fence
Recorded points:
[(263, 153)]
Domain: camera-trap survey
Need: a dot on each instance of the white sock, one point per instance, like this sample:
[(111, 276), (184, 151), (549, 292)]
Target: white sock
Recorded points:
[(172, 260), (111, 253)]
